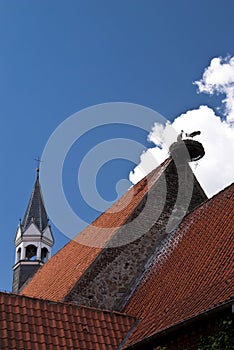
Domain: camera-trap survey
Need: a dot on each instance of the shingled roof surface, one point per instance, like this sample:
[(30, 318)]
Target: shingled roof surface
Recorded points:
[(36, 209), (193, 273), (59, 275), (28, 323)]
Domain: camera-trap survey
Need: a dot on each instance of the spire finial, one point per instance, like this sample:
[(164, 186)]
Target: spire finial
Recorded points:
[(39, 161)]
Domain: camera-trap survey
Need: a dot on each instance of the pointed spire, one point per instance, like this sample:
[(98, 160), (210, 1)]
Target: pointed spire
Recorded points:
[(36, 209)]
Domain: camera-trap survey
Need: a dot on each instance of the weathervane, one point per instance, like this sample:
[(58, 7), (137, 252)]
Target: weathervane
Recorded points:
[(39, 161)]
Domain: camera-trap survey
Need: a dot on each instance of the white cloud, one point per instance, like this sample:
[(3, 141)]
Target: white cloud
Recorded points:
[(219, 78), (216, 169)]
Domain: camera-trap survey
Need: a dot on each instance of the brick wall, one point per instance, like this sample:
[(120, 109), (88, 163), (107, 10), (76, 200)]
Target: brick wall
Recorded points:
[(110, 279)]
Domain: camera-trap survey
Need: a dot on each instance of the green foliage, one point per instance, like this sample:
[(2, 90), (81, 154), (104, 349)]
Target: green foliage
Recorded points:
[(222, 339)]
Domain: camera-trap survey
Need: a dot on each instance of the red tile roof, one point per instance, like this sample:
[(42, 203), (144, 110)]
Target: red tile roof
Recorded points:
[(59, 275), (194, 271), (28, 323)]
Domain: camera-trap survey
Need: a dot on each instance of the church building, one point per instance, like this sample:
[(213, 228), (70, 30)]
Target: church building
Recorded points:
[(155, 271)]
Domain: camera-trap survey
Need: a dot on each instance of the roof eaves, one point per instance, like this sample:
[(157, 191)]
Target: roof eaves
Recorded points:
[(176, 326)]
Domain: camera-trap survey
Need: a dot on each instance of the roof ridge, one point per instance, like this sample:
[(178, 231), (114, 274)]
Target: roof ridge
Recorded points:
[(76, 306)]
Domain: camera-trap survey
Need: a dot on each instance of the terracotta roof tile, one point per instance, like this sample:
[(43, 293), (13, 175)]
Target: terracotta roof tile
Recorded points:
[(60, 326), (194, 271), (59, 275)]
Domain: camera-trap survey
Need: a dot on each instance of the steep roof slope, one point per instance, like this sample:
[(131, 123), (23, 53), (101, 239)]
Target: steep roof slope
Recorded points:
[(59, 275), (194, 271), (108, 282), (36, 209), (27, 323)]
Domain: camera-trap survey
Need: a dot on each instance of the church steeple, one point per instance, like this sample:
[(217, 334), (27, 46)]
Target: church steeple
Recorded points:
[(36, 209), (33, 239)]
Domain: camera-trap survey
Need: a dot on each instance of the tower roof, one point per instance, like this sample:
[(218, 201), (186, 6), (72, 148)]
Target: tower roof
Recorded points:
[(36, 211)]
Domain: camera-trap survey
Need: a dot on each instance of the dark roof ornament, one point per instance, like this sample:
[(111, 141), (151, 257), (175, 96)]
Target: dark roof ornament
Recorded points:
[(39, 161), (187, 149)]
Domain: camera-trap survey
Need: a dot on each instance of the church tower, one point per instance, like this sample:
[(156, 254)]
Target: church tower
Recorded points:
[(33, 240)]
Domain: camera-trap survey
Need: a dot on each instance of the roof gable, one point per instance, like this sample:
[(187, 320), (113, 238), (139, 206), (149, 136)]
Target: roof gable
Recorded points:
[(32, 230), (108, 282), (47, 234), (18, 234)]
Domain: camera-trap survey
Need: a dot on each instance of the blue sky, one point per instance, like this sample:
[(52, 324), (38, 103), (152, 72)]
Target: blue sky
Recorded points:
[(58, 57)]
